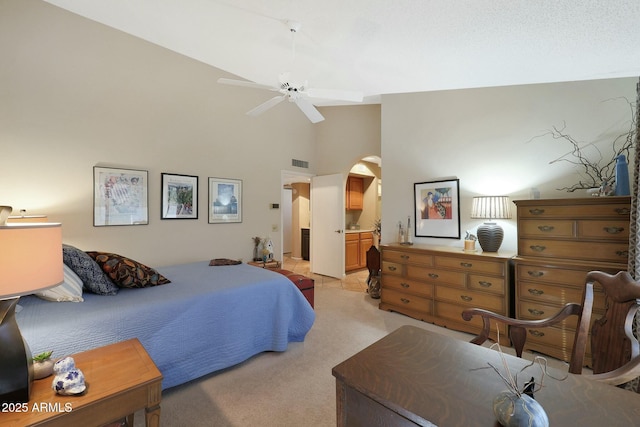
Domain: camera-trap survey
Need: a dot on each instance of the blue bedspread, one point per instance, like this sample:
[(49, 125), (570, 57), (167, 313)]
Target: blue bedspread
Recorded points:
[(207, 319)]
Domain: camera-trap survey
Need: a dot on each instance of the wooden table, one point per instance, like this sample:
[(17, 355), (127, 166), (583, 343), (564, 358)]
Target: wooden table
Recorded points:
[(415, 377), (121, 379)]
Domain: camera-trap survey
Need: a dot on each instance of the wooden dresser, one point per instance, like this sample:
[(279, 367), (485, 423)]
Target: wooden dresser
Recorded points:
[(436, 284), (559, 241)]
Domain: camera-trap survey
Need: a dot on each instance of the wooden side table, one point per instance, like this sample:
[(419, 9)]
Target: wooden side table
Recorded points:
[(272, 265), (121, 378)]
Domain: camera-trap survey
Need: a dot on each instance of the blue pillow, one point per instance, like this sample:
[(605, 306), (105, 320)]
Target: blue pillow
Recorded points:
[(92, 276)]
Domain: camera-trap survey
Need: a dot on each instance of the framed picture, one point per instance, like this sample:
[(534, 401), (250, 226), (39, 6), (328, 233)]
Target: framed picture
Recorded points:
[(225, 200), (120, 197), (179, 197), (437, 205)]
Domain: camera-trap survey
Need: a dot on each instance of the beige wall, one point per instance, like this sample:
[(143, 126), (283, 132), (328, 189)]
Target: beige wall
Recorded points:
[(486, 138), (75, 94)]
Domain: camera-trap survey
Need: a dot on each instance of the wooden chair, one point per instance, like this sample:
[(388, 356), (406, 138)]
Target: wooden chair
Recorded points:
[(615, 350)]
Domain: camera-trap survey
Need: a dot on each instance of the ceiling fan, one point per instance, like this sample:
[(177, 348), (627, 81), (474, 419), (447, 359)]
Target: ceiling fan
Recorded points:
[(295, 92)]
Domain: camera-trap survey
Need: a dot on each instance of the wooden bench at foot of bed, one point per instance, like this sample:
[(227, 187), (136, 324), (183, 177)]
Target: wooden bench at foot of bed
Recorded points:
[(304, 283)]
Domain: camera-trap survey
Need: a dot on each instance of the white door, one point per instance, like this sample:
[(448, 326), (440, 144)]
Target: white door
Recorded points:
[(327, 225)]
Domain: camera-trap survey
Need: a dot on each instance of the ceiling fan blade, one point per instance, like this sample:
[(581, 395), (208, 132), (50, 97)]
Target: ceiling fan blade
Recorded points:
[(309, 110), (336, 95), (266, 105), (245, 83)]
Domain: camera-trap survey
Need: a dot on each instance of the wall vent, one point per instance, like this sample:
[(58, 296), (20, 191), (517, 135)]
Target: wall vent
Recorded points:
[(300, 163)]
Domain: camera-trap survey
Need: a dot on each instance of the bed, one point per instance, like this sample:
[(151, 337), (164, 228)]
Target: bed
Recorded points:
[(208, 318)]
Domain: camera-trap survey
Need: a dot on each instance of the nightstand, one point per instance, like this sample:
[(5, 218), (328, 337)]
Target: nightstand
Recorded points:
[(272, 264), (121, 378)]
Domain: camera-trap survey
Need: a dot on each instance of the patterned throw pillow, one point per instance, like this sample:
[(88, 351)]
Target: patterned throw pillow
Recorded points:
[(127, 273), (92, 276)]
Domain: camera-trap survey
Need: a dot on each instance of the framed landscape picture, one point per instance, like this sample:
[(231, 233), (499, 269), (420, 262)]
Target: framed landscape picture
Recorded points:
[(120, 197), (179, 196), (225, 200), (437, 209)]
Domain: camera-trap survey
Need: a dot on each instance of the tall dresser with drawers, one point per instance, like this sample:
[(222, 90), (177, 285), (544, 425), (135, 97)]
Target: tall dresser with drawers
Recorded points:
[(436, 284), (559, 241)]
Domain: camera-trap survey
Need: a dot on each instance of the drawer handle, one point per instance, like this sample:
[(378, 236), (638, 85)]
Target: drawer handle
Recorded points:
[(622, 211), (538, 248), (485, 284), (433, 275), (392, 268), (536, 292), (535, 312), (466, 298), (546, 227), (404, 285), (614, 230), (405, 301), (536, 211), (622, 253), (536, 333), (535, 273), (404, 256), (466, 264)]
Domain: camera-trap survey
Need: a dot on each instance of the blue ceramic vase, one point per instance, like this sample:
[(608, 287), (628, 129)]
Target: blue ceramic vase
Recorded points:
[(513, 411)]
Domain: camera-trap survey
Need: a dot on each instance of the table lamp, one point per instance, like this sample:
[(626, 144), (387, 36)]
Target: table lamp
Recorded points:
[(30, 261), (490, 234)]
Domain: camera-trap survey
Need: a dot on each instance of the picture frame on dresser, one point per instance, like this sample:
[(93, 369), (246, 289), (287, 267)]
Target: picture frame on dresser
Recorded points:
[(120, 196), (437, 209), (179, 196), (225, 200)]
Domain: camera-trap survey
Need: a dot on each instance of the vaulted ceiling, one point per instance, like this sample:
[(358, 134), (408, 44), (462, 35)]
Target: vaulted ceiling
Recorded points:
[(389, 46)]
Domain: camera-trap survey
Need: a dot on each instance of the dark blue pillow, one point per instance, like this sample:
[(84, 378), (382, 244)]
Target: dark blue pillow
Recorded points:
[(93, 278)]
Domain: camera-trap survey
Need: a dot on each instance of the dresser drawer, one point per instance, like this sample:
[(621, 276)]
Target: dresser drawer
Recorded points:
[(555, 275), (611, 210), (470, 299), (404, 300), (546, 228), (471, 265), (406, 257), (404, 284), (433, 275), (613, 252), (454, 312), (391, 268), (491, 284), (546, 293), (609, 230)]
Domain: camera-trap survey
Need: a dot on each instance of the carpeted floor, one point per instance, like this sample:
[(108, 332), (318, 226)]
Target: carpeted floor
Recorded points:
[(296, 387)]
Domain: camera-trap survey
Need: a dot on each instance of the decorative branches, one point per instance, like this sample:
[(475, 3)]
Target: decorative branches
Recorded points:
[(600, 171)]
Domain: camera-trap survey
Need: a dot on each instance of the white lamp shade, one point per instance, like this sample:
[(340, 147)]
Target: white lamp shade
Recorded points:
[(491, 207), (30, 258)]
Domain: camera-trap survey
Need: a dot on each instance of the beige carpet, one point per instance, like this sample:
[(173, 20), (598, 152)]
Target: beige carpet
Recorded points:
[(293, 388)]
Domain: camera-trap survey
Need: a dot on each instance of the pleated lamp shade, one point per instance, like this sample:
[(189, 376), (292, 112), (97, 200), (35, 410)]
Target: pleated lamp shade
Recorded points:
[(490, 234)]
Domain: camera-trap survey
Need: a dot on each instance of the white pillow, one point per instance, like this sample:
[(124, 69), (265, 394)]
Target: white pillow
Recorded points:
[(69, 290)]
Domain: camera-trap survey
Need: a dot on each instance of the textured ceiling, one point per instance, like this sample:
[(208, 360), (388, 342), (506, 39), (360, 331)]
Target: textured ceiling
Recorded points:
[(390, 46)]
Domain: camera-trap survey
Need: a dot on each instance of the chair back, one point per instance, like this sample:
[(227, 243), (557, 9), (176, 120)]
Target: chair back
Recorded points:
[(614, 346), (613, 343)]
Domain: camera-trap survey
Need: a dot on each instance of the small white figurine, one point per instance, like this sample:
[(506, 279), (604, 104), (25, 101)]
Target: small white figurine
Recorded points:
[(68, 379), (267, 249)]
